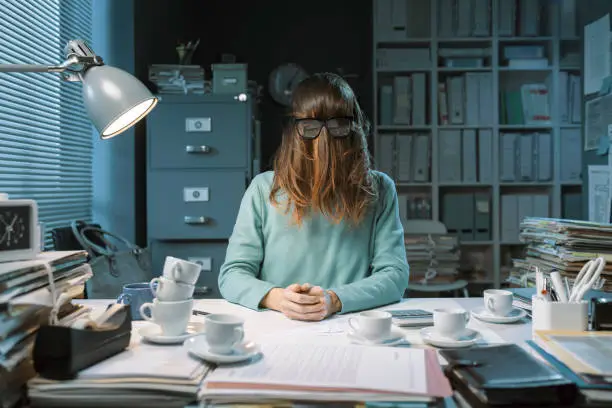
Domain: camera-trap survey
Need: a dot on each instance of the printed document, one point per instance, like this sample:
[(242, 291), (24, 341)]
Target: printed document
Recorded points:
[(599, 194), (320, 367), (596, 54)]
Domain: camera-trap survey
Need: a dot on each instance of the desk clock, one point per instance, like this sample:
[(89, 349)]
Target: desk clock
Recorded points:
[(18, 229)]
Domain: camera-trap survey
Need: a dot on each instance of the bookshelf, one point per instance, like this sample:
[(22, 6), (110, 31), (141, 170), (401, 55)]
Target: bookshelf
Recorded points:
[(412, 39)]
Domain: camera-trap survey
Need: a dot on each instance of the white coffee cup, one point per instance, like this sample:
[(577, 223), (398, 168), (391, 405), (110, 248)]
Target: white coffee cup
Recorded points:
[(372, 324), (498, 302), (171, 290), (172, 317), (223, 332), (181, 270), (450, 322)]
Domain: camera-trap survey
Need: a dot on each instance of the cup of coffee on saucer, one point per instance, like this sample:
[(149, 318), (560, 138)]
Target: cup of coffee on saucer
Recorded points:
[(450, 329), (498, 308), (171, 321), (374, 327), (223, 333)]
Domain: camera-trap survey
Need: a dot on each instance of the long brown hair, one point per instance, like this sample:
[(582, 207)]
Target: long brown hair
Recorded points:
[(327, 175)]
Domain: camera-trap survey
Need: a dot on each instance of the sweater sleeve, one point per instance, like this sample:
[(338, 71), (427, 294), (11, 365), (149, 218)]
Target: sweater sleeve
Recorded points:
[(389, 269), (239, 276)]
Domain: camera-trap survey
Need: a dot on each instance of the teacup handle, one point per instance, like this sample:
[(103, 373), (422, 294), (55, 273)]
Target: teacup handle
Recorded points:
[(467, 316), (124, 299), (154, 285), (143, 308), (239, 334), (176, 271), (490, 304), (352, 322)]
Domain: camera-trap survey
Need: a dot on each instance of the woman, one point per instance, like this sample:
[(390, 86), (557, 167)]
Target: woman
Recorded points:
[(320, 234)]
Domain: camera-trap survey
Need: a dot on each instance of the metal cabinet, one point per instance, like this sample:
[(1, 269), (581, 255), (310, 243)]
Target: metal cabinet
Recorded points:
[(199, 163)]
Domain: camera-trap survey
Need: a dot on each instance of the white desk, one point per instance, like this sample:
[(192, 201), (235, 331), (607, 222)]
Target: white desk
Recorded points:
[(273, 326)]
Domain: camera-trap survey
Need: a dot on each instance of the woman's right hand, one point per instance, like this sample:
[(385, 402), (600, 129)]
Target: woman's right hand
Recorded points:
[(294, 302)]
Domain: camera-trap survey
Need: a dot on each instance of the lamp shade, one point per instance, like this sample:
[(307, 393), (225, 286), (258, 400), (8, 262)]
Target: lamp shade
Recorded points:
[(115, 99)]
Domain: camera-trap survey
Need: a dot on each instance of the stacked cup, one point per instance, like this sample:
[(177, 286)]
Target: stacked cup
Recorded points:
[(171, 308)]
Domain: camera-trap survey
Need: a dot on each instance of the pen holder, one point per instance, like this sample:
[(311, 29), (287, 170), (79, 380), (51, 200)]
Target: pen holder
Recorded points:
[(547, 315)]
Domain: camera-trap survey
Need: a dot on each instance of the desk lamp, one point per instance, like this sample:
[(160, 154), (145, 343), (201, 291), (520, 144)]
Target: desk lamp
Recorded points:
[(114, 99)]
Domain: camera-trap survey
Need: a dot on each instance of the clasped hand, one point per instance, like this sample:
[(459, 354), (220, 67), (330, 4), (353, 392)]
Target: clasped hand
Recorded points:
[(304, 302)]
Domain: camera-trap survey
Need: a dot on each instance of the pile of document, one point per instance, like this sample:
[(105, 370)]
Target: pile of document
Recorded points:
[(433, 258), (564, 246), (177, 79), (144, 375), (25, 304), (331, 373)]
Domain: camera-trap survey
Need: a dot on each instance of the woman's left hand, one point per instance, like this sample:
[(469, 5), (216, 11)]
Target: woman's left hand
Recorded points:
[(327, 299)]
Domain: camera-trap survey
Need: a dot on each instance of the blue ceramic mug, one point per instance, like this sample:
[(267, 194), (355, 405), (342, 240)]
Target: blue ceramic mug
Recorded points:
[(135, 295)]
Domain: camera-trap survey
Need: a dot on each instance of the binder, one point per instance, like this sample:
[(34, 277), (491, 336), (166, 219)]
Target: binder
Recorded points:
[(525, 157), (399, 16), (472, 96), (485, 153), (507, 156), (464, 18), (402, 91), (421, 158), (482, 217), (404, 157), (419, 102), (571, 155), (525, 208), (509, 218), (456, 91), (543, 156), (541, 206), (529, 18), (446, 27), (563, 99), (386, 105), (402, 202), (449, 163), (506, 16), (469, 156), (481, 26), (466, 217), (485, 99), (386, 147), (568, 19), (383, 20)]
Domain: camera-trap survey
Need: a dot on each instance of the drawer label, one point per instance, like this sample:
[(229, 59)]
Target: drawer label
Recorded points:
[(205, 263), (191, 194), (198, 124)]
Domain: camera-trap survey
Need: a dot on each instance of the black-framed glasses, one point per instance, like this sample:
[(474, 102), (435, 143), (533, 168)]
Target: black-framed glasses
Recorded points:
[(309, 128)]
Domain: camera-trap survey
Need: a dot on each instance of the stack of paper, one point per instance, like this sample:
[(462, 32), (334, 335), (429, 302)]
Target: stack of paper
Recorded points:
[(142, 376), (177, 79), (434, 258), (25, 303), (330, 373), (564, 246)]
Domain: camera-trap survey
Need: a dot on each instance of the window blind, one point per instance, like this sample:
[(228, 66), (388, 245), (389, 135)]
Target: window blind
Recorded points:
[(45, 135)]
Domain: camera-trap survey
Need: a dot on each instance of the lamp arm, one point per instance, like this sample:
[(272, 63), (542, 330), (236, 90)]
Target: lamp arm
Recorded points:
[(72, 60)]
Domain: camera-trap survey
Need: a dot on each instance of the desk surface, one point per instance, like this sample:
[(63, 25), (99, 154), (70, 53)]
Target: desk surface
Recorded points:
[(268, 325)]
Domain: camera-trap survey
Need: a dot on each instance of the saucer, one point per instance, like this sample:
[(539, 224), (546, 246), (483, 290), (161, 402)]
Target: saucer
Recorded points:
[(152, 333), (430, 336), (198, 347), (483, 314), (396, 337)]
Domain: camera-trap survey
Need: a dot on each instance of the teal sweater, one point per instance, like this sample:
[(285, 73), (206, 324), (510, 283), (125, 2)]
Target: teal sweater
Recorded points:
[(365, 265)]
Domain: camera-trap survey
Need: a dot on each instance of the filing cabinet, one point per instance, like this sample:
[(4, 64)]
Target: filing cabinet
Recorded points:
[(199, 163)]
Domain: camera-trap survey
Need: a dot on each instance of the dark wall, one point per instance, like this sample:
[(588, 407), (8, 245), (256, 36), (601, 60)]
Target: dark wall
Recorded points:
[(589, 11), (319, 35)]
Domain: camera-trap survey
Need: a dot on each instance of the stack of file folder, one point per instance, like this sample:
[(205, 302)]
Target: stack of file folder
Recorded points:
[(564, 246), (25, 304), (144, 375), (177, 79), (433, 258)]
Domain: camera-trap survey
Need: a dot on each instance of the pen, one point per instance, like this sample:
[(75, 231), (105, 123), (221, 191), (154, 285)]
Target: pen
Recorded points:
[(199, 312), (557, 284)]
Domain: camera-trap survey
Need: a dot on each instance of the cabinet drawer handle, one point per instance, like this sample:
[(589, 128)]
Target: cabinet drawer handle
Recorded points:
[(197, 149), (196, 220), (201, 290)]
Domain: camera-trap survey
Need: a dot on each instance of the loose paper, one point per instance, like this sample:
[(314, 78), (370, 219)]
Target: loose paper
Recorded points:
[(599, 194), (596, 54)]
